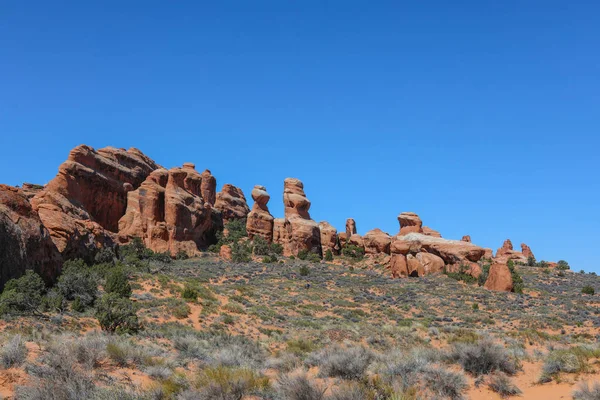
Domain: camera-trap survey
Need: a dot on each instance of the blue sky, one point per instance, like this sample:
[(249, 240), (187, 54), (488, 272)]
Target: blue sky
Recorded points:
[(481, 116)]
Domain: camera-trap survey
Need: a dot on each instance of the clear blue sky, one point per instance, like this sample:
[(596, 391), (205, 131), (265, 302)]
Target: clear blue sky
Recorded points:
[(481, 116)]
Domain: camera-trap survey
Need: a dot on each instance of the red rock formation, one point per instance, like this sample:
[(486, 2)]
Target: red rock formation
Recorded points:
[(208, 188), (24, 242), (410, 222), (489, 253), (329, 238), (431, 232), (376, 241), (169, 214), (343, 238), (398, 266), (506, 253), (225, 252), (466, 238), (298, 231), (82, 205), (499, 278), (31, 189), (451, 251), (526, 251), (356, 240), (350, 227), (232, 203), (260, 221)]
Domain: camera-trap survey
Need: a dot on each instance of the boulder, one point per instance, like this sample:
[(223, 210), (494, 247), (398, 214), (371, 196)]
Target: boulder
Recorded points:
[(232, 203), (24, 241), (410, 222), (376, 241), (398, 266), (329, 238), (260, 221), (82, 205), (499, 278), (168, 212), (466, 238), (350, 227), (356, 240), (451, 251), (431, 232), (430, 263), (415, 268), (342, 238)]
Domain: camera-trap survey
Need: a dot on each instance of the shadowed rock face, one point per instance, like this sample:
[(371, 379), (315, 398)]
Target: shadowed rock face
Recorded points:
[(350, 227), (260, 221), (82, 205), (526, 251), (168, 212), (232, 203), (24, 242), (329, 238)]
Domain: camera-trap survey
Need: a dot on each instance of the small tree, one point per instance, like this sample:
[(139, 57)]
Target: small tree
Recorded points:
[(516, 277), (240, 252), (78, 281), (588, 290), (23, 295), (260, 246), (118, 282), (328, 255), (531, 261), (105, 256), (117, 314), (563, 265)]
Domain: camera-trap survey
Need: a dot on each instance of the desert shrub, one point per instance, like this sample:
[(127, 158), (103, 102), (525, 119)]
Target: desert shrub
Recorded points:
[(328, 255), (501, 384), (300, 346), (573, 360), (23, 295), (563, 265), (134, 250), (588, 290), (542, 264), (483, 357), (225, 383), (485, 272), (13, 353), (90, 349), (342, 362), (78, 281), (304, 270), (117, 282), (516, 277), (236, 230), (313, 258), (462, 274), (189, 293), (181, 255), (105, 255), (443, 383), (181, 310), (587, 392), (303, 254), (531, 261), (353, 251), (117, 314), (299, 387), (240, 252), (277, 248), (350, 391), (54, 301), (260, 246), (269, 259)]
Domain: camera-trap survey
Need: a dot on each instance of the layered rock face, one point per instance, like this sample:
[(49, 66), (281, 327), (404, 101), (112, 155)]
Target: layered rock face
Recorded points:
[(329, 238), (82, 205), (431, 232), (376, 241), (168, 212), (208, 187), (297, 232), (410, 222), (232, 203), (24, 241), (260, 221)]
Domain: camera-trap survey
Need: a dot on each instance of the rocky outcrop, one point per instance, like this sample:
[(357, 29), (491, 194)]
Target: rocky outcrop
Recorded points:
[(260, 221), (232, 203), (506, 253), (297, 232), (466, 238), (356, 240), (376, 241), (431, 232), (526, 251), (409, 223), (168, 212), (24, 242), (82, 205), (350, 227), (208, 187), (451, 251), (499, 278), (398, 266), (31, 189), (329, 238)]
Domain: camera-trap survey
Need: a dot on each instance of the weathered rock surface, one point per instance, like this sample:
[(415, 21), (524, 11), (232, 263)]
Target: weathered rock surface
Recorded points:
[(431, 232), (356, 240), (499, 278), (376, 241), (410, 222), (260, 221), (232, 203), (350, 227), (329, 238), (298, 232), (451, 251), (82, 205), (31, 189), (526, 251), (466, 238), (208, 188), (168, 212), (24, 242), (506, 253), (398, 266)]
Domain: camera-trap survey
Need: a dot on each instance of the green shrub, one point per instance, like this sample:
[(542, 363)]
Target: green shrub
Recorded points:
[(189, 293), (117, 314), (304, 270), (531, 261), (517, 280), (277, 248), (236, 230), (260, 246), (181, 255), (23, 296), (106, 255), (462, 275), (485, 272), (118, 282), (563, 265), (78, 281), (77, 306), (240, 252), (328, 255), (314, 258), (302, 254), (588, 290), (542, 264), (475, 306), (269, 259), (353, 251)]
